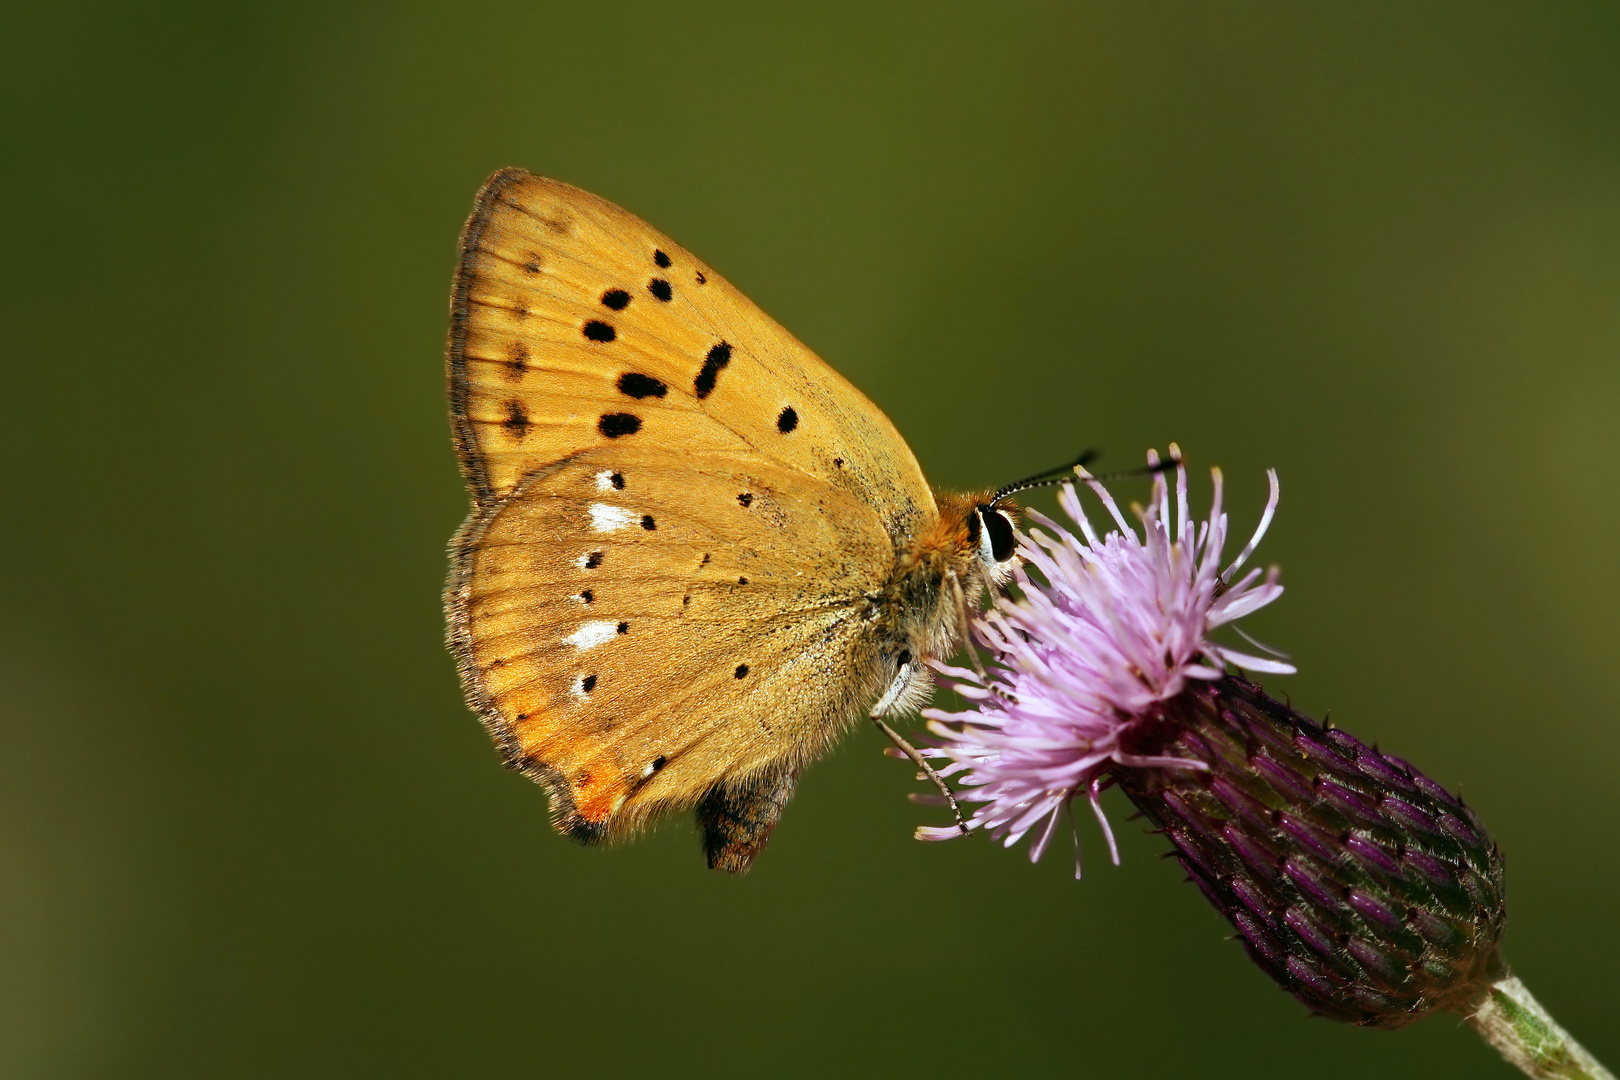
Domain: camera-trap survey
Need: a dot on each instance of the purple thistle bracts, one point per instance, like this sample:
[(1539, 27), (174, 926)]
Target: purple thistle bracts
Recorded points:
[(1362, 887)]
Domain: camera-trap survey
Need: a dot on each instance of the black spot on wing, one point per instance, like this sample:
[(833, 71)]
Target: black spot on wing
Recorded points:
[(616, 299), (701, 278), (588, 683), (618, 424), (597, 330), (718, 358), (518, 362), (648, 523), (742, 581), (517, 419), (745, 498), (558, 222), (587, 596), (660, 288), (593, 560), (623, 628), (742, 669), (617, 480), (635, 384), (661, 259), (787, 420)]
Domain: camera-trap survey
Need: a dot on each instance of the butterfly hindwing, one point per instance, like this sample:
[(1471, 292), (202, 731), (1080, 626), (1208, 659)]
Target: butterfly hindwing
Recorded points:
[(635, 637), (681, 518)]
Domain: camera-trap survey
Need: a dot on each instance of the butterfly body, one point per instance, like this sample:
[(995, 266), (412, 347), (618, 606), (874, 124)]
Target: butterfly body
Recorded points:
[(696, 554)]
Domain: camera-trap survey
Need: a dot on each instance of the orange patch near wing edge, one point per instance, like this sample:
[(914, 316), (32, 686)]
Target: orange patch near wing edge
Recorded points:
[(597, 794)]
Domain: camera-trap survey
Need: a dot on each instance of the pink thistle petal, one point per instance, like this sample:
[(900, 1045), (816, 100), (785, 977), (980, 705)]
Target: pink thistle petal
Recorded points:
[(1102, 822), (1103, 629), (1254, 663)]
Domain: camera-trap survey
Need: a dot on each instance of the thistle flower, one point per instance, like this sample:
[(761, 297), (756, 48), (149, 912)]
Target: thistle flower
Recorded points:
[(1363, 888), (1123, 626)]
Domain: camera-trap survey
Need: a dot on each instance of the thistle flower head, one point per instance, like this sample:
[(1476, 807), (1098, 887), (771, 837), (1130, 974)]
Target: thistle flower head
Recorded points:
[(1115, 625), (1360, 886)]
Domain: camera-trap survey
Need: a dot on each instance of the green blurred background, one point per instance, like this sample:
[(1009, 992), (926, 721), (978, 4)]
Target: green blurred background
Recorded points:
[(247, 826)]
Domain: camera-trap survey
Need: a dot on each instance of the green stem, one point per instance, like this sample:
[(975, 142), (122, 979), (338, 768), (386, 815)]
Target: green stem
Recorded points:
[(1522, 1031)]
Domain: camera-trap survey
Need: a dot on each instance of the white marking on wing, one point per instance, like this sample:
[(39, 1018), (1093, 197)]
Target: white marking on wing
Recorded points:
[(604, 480), (605, 518), (592, 634)]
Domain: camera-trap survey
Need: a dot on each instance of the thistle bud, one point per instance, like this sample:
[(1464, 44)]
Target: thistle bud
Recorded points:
[(1362, 887)]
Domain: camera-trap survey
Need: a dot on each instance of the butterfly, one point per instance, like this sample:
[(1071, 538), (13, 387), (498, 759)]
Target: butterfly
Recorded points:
[(696, 553)]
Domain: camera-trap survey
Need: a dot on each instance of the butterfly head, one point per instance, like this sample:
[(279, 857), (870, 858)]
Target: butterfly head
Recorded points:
[(992, 521)]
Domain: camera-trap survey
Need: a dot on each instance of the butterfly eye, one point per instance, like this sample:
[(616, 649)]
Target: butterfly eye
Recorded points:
[(996, 542)]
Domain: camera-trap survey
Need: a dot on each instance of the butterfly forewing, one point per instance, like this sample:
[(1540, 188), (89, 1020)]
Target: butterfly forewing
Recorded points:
[(561, 295), (682, 514)]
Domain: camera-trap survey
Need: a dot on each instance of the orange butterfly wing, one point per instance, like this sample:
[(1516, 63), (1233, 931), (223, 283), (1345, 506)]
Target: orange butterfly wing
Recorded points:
[(681, 514), (538, 257)]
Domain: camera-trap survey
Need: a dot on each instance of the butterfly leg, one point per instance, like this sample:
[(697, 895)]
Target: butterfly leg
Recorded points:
[(737, 818), (964, 626), (916, 758)]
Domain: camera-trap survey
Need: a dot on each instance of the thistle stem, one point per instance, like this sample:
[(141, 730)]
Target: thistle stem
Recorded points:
[(1527, 1036)]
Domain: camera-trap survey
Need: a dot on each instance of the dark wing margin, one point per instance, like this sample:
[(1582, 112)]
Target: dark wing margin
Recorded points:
[(565, 816), (472, 234)]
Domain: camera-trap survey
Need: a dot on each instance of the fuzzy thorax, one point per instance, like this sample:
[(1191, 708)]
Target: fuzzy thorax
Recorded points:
[(937, 583)]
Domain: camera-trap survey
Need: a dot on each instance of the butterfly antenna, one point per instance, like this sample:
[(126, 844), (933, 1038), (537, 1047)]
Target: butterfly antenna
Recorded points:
[(1044, 478), (1141, 470), (1065, 474), (921, 762)]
